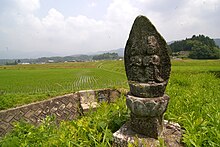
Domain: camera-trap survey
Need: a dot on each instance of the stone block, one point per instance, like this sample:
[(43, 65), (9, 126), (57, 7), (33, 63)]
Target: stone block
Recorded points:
[(87, 96), (113, 95), (147, 90), (102, 95), (148, 126), (171, 136), (86, 107), (29, 113)]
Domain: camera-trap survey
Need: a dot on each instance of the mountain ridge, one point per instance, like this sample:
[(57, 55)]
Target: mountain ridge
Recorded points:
[(4, 54), (217, 41)]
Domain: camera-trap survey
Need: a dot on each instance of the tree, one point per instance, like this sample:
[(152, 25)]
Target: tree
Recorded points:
[(12, 63), (204, 52)]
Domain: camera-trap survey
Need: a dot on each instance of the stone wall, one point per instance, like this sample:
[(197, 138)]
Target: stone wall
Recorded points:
[(66, 107)]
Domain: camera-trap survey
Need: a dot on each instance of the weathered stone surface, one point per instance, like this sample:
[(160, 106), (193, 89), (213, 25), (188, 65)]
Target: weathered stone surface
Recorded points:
[(87, 96), (147, 114), (147, 62), (171, 135), (90, 99), (148, 126), (114, 95), (147, 90), (143, 107)]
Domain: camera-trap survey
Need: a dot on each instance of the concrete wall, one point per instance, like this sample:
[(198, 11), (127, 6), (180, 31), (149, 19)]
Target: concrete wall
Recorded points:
[(66, 107)]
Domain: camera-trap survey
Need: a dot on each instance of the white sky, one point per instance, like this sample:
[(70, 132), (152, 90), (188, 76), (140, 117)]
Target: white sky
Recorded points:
[(32, 28)]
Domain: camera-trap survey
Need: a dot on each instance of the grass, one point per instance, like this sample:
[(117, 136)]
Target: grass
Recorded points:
[(195, 104), (194, 90)]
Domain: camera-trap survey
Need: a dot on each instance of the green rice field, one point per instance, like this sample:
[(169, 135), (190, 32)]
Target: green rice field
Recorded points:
[(22, 84)]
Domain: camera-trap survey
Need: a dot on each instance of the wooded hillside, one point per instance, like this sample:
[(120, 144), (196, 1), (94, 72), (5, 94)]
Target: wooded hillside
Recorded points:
[(199, 47)]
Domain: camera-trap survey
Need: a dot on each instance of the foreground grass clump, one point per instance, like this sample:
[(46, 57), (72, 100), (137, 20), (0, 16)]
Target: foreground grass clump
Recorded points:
[(195, 104), (94, 129)]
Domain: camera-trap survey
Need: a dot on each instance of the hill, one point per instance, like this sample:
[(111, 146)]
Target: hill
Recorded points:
[(106, 56), (196, 47), (217, 41), (119, 51)]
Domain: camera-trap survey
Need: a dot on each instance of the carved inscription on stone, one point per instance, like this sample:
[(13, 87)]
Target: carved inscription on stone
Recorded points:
[(146, 58)]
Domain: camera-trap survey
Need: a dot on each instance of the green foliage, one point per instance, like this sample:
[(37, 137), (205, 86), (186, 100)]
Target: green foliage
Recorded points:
[(11, 63), (204, 52), (179, 46), (95, 129), (194, 103), (201, 47), (106, 56), (204, 40)]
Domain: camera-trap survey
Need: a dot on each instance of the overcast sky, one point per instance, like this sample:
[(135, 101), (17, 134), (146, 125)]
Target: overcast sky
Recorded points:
[(31, 28)]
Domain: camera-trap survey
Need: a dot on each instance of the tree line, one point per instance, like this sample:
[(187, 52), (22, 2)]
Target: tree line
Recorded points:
[(76, 58), (106, 56)]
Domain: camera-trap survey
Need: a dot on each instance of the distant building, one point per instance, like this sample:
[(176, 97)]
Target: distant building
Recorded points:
[(40, 63), (25, 63), (51, 61), (72, 61)]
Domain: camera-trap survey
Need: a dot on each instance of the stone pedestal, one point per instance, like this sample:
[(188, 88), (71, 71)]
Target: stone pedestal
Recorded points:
[(149, 126), (147, 114), (170, 137)]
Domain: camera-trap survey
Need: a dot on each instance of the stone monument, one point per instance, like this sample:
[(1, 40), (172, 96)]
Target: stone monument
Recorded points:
[(147, 66)]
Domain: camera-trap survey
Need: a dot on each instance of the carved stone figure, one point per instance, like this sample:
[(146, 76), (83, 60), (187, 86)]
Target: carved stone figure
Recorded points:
[(146, 59), (147, 65)]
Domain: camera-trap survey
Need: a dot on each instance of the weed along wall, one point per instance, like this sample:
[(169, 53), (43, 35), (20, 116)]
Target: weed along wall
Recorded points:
[(66, 107)]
